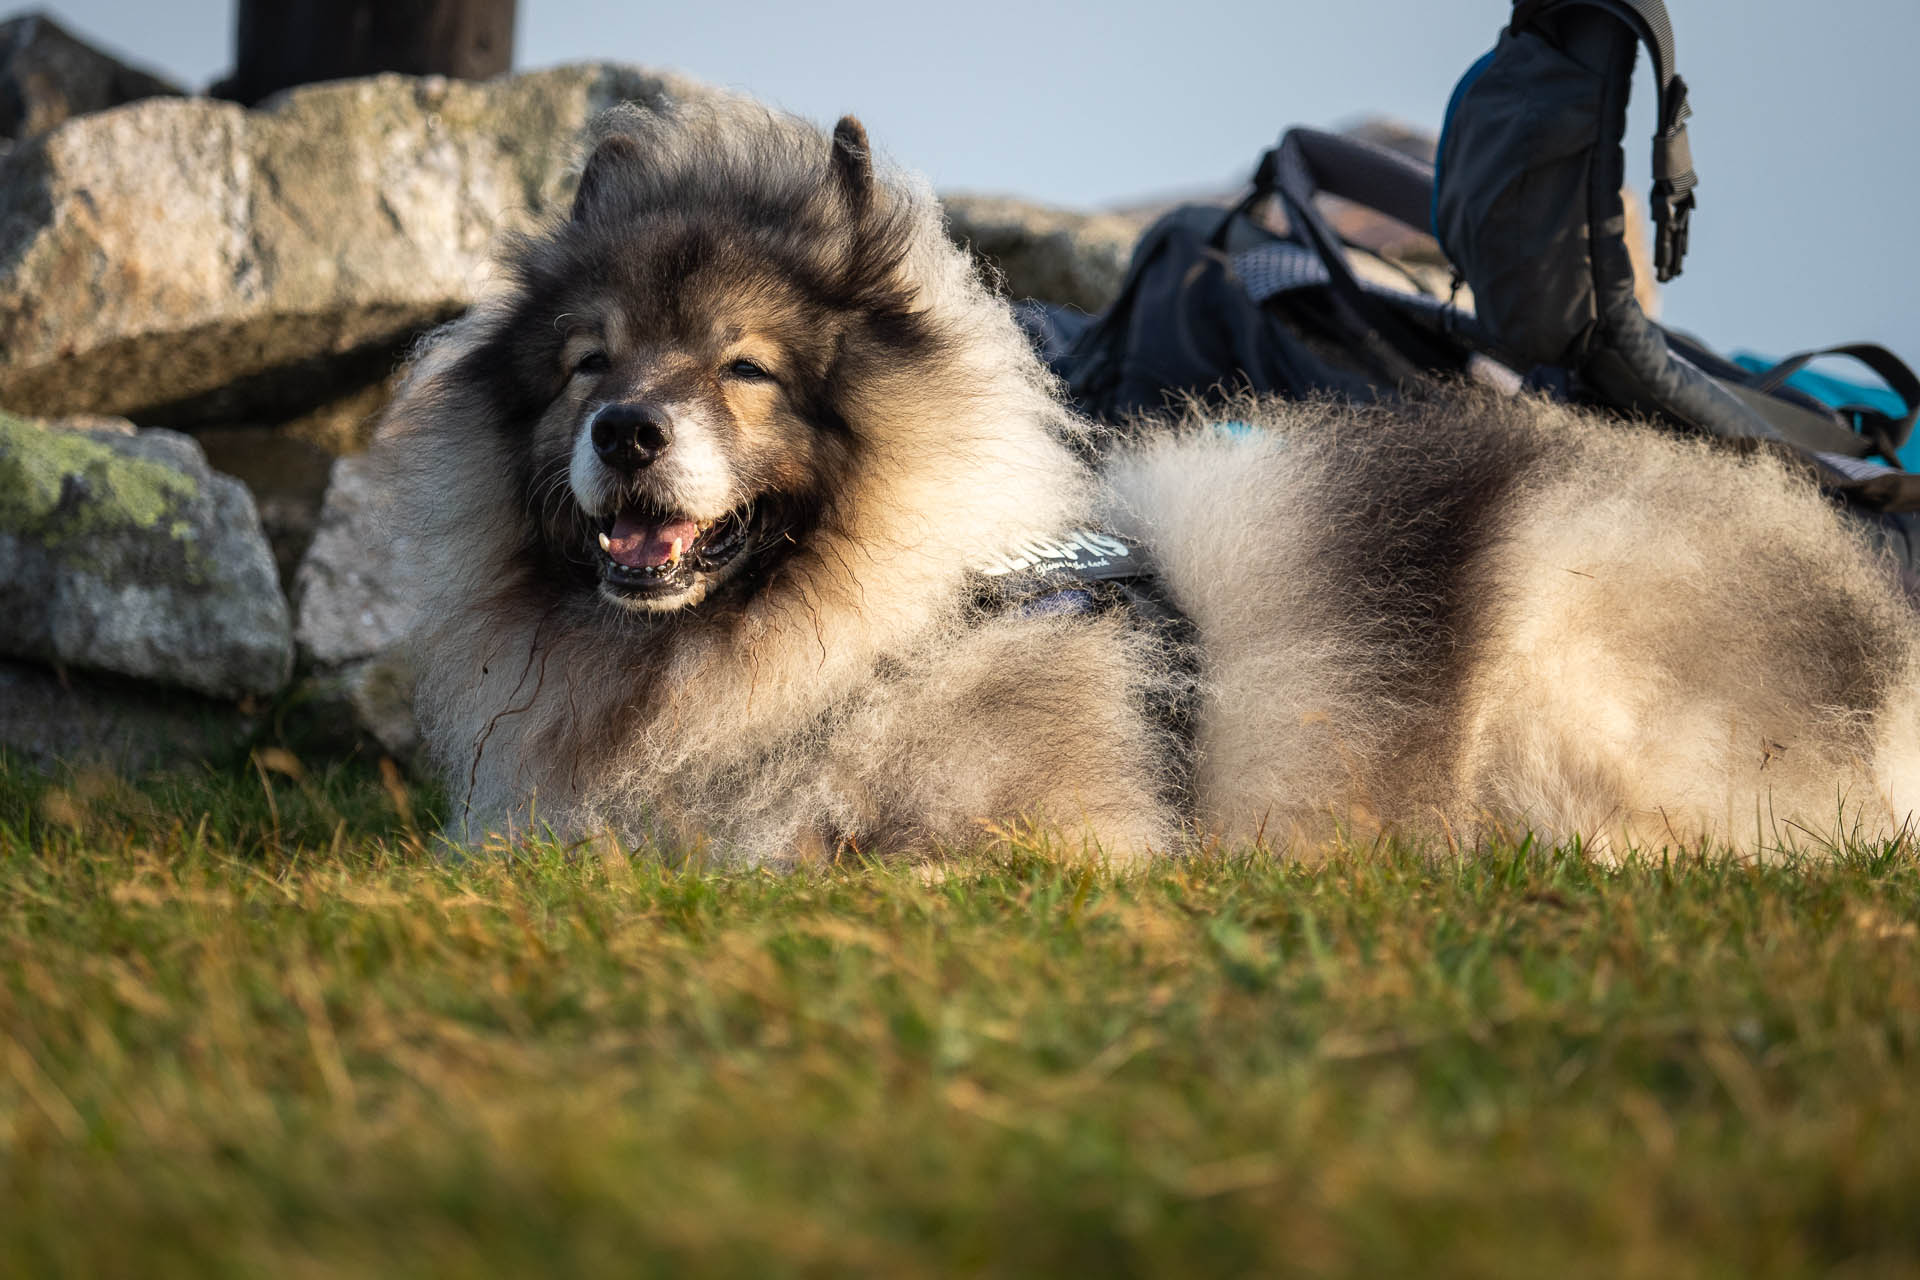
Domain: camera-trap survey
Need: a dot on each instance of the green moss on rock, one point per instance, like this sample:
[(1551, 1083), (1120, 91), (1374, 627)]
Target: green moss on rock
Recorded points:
[(68, 490)]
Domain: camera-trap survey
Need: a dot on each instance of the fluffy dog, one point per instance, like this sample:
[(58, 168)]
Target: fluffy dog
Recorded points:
[(702, 489)]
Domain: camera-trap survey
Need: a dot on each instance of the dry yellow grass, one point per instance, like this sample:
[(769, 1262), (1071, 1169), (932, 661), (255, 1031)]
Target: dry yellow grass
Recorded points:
[(251, 1024)]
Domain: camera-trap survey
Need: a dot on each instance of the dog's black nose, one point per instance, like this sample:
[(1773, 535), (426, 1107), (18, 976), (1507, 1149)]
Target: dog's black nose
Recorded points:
[(630, 436)]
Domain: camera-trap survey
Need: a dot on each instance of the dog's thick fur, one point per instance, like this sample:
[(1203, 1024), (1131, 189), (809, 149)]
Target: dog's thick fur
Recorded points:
[(1437, 618), (1470, 611)]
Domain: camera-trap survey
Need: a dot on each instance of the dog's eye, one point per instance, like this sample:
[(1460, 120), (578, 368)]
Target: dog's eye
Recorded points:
[(748, 371), (591, 363)]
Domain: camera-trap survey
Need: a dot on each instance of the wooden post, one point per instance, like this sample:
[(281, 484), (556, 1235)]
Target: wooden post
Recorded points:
[(282, 43)]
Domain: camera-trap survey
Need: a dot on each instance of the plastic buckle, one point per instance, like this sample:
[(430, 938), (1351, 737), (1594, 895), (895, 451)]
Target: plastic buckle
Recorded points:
[(1671, 223)]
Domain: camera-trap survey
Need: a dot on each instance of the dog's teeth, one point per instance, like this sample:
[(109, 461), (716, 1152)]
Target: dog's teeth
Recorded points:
[(606, 543), (674, 554)]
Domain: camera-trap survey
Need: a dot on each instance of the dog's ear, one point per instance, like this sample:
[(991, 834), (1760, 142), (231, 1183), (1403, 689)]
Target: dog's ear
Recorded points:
[(853, 162), (603, 180)]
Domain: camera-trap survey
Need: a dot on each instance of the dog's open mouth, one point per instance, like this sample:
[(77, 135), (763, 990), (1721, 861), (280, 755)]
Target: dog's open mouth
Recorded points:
[(646, 552)]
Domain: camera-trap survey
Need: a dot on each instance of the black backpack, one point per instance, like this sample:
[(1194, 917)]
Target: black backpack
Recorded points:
[(1525, 199), (1216, 303)]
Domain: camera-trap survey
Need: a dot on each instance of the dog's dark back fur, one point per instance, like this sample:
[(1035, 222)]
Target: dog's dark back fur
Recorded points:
[(1466, 610)]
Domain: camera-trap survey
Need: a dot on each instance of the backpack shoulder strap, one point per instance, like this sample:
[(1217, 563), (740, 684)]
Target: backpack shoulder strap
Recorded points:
[(1674, 178)]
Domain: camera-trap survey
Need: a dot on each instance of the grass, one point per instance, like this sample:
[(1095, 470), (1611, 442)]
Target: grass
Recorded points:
[(251, 1025)]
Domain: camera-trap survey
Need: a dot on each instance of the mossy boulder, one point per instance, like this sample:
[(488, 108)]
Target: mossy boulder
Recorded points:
[(122, 551)]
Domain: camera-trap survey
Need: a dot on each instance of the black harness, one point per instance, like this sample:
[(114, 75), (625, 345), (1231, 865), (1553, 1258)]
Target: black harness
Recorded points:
[(1081, 571), (1092, 572)]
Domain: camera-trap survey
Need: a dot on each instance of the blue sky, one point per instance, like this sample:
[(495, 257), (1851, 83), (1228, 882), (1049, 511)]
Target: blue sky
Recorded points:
[(1805, 128)]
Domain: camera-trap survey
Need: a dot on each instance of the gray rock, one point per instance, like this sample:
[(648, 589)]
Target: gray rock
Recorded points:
[(47, 76), (1054, 255), (341, 709), (190, 262), (287, 476), (287, 465), (353, 591), (380, 690), (355, 605), (50, 718), (343, 425), (122, 551)]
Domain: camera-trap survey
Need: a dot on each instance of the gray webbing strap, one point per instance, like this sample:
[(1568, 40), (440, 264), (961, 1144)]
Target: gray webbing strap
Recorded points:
[(1888, 432)]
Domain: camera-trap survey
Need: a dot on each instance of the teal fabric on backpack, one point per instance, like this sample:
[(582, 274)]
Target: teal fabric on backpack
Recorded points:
[(1838, 393)]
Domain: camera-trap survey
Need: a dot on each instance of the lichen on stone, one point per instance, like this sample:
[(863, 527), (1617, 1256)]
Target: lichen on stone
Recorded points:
[(39, 468)]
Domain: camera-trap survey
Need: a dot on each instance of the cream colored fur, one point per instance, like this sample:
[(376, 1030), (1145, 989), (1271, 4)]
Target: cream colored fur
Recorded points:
[(1651, 617)]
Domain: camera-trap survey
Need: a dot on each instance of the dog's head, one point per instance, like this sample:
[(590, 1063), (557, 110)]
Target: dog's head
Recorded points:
[(676, 363)]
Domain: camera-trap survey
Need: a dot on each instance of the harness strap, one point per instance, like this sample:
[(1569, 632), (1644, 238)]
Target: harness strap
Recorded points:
[(1086, 555), (1095, 572)]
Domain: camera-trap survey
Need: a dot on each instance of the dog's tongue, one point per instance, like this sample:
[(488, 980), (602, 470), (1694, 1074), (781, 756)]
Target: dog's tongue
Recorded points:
[(641, 544)]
